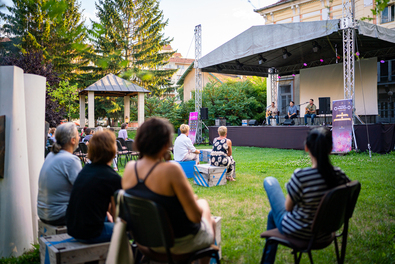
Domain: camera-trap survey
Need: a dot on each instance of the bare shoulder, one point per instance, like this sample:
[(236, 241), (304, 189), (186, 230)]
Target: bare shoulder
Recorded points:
[(229, 142), (128, 173)]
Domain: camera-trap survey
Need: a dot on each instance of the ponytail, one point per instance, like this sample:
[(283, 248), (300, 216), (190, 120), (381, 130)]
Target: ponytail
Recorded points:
[(56, 148)]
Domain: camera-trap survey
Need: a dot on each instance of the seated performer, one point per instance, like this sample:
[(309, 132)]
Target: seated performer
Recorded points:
[(271, 113), (292, 111), (310, 112), (222, 153), (183, 147)]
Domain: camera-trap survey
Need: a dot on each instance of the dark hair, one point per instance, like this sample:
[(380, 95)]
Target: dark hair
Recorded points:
[(101, 147), (312, 100), (111, 129), (123, 126), (152, 136), (293, 102), (87, 131), (63, 135), (319, 143)]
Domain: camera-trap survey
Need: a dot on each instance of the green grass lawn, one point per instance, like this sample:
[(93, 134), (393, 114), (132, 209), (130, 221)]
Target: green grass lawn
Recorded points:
[(243, 205)]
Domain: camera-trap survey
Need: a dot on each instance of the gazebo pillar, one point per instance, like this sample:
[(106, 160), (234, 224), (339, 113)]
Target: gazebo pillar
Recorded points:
[(126, 115), (91, 109), (82, 110), (140, 108)]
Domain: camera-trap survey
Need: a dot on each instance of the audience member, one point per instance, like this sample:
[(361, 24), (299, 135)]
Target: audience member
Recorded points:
[(92, 193), (294, 215), (123, 133), (183, 147), (88, 135), (57, 176), (115, 159), (165, 183), (221, 155), (98, 129)]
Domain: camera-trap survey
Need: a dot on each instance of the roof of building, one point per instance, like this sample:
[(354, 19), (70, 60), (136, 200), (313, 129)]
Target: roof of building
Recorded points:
[(167, 47), (5, 39), (112, 85), (181, 60), (273, 5)]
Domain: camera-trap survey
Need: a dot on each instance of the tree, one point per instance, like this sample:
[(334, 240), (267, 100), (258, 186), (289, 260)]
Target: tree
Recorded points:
[(33, 62), (67, 97), (54, 27), (128, 41)]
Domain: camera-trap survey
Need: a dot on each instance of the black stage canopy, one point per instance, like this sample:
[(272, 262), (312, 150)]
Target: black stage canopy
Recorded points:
[(289, 47)]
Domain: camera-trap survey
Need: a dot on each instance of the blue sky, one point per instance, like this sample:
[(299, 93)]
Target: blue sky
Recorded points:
[(221, 20)]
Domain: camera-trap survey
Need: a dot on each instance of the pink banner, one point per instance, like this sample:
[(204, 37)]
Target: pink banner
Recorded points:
[(193, 123), (342, 125)]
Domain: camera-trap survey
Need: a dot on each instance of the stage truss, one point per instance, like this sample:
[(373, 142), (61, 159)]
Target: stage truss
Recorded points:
[(198, 81)]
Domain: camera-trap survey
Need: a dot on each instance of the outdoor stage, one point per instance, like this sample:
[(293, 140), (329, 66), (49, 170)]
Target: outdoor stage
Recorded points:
[(382, 136)]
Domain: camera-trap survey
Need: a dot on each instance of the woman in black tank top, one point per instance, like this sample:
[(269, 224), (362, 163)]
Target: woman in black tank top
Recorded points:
[(165, 183)]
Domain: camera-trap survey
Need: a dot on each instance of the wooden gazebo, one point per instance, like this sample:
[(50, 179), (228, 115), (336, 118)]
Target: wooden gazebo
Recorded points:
[(111, 85)]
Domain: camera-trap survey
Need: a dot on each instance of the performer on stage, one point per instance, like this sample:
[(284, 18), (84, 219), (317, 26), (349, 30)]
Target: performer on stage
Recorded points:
[(271, 113), (292, 111), (310, 112)]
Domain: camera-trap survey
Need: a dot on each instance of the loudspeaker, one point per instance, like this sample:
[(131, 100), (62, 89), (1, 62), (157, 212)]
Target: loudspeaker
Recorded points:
[(289, 122), (324, 105), (252, 122), (204, 113)]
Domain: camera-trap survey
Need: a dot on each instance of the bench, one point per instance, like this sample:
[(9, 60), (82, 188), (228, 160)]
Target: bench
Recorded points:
[(63, 248), (204, 156), (47, 230), (209, 176)]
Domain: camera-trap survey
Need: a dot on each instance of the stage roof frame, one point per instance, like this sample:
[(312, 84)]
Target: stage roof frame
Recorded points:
[(241, 55)]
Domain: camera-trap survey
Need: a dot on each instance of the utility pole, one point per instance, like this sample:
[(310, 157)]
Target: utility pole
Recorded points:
[(198, 81)]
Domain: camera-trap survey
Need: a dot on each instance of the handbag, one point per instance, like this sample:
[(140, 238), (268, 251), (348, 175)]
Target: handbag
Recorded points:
[(120, 250)]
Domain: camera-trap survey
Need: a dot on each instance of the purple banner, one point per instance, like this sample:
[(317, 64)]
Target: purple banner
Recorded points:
[(342, 125), (193, 123)]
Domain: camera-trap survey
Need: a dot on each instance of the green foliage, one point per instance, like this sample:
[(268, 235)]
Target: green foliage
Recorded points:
[(235, 100), (30, 257), (378, 8), (67, 96)]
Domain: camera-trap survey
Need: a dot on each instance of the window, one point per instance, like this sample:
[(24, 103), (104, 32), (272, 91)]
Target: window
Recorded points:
[(285, 98), (388, 14)]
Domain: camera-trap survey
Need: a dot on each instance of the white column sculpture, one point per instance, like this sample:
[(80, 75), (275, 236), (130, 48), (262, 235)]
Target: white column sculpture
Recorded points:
[(91, 109), (140, 107)]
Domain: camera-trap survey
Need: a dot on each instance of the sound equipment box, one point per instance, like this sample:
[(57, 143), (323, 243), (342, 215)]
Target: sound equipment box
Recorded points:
[(324, 105), (289, 122), (204, 113), (252, 122)]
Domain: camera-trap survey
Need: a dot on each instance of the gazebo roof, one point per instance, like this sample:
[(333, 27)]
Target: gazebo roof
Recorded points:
[(112, 85)]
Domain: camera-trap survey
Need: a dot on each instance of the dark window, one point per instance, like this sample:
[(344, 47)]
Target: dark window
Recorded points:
[(387, 15)]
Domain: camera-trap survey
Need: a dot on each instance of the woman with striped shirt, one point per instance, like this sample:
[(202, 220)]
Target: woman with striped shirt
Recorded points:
[(294, 214)]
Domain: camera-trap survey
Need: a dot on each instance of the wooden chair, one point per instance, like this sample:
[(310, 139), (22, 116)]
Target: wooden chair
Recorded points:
[(334, 211), (150, 227)]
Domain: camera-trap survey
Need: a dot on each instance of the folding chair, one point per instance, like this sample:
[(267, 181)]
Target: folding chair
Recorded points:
[(123, 142), (334, 211), (129, 146), (121, 152), (83, 152), (149, 225)]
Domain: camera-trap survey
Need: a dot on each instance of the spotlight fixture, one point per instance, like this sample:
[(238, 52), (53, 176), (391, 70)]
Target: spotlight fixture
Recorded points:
[(316, 46), (239, 65), (382, 61), (321, 60), (286, 54), (218, 68), (293, 74), (305, 64), (262, 60), (279, 77)]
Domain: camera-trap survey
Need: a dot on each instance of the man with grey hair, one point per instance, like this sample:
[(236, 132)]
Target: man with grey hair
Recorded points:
[(57, 176)]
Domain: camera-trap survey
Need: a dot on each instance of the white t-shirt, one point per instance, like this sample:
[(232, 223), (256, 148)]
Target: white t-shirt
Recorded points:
[(182, 146)]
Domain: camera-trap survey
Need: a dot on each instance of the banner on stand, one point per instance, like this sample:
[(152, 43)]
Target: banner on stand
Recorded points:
[(342, 125), (193, 123)]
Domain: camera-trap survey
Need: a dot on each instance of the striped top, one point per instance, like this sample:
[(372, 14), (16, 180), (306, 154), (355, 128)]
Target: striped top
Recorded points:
[(306, 189)]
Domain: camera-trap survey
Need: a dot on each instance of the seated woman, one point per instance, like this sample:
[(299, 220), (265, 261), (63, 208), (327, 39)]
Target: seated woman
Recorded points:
[(222, 153), (294, 214), (92, 193), (183, 147), (165, 183)]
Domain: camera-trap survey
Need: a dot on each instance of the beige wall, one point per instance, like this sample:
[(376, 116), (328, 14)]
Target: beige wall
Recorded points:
[(189, 83), (327, 81)]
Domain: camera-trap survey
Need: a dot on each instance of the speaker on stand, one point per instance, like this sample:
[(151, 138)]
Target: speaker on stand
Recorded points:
[(324, 106)]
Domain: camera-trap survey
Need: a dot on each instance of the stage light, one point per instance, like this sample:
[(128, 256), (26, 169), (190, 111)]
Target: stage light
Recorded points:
[(293, 74), (305, 64), (382, 61), (239, 64), (338, 57), (321, 60), (357, 54), (279, 77), (316, 46), (286, 54), (262, 60)]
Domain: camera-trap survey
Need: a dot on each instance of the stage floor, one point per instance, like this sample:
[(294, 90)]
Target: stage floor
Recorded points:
[(382, 136)]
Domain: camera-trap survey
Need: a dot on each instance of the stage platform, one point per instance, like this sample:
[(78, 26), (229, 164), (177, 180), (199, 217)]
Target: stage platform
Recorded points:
[(382, 136)]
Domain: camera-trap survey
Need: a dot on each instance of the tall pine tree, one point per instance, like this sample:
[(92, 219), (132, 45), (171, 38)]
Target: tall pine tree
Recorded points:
[(128, 41)]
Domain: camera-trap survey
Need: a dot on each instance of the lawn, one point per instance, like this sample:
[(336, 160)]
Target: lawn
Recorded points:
[(243, 205)]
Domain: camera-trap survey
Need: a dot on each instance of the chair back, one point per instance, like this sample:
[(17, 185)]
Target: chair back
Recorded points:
[(129, 144), (147, 221), (83, 147), (336, 208), (122, 140), (119, 146)]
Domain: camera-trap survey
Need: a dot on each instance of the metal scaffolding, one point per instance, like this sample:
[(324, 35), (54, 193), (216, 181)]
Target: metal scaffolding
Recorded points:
[(198, 81), (273, 84)]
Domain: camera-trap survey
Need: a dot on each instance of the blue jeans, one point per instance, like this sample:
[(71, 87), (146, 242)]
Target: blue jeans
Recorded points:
[(270, 117), (105, 235), (311, 116), (276, 215)]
